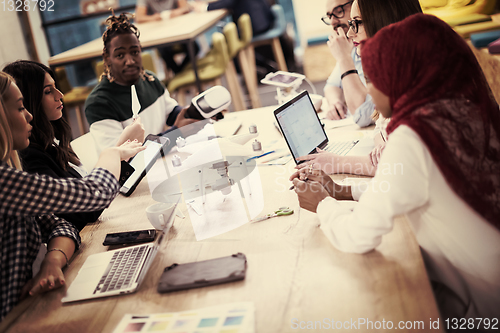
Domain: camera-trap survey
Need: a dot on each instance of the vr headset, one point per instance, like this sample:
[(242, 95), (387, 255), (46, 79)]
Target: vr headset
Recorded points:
[(209, 103)]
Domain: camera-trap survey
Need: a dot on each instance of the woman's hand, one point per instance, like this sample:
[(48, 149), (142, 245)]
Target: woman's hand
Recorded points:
[(322, 160), (340, 47), (336, 110), (129, 149), (376, 153), (198, 6), (134, 131), (310, 193), (49, 277)]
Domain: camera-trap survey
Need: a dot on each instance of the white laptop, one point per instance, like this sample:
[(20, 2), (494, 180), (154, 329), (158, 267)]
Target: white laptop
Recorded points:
[(303, 131), (115, 272)]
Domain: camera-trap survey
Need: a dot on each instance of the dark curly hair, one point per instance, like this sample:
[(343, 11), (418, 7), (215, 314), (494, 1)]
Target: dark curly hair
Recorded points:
[(119, 25)]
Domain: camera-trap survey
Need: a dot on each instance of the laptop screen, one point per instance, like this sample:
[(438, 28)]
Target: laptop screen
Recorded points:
[(300, 126)]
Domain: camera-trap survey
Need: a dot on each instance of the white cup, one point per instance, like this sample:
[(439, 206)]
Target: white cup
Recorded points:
[(159, 214)]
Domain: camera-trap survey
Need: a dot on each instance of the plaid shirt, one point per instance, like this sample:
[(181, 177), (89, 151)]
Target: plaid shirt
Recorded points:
[(27, 202)]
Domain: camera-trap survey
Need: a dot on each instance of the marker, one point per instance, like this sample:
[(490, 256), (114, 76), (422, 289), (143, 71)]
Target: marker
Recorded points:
[(258, 156)]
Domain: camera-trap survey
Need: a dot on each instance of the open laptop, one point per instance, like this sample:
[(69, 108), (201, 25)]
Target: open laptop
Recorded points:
[(115, 272), (302, 129)]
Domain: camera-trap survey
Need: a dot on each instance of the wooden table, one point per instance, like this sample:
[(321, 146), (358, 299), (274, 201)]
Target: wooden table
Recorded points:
[(294, 274), (181, 29)]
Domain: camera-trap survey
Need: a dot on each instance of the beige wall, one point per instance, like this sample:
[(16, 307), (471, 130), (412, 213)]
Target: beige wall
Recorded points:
[(308, 15), (12, 45)]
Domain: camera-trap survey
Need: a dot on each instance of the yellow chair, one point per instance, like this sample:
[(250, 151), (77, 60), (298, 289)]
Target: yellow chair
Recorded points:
[(73, 97), (458, 8), (210, 70), (235, 48), (242, 48)]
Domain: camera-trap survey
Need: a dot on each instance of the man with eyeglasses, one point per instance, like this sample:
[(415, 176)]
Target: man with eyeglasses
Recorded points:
[(338, 14)]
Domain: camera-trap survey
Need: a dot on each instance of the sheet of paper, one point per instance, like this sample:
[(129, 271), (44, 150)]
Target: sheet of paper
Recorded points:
[(233, 317), (228, 127), (329, 124)]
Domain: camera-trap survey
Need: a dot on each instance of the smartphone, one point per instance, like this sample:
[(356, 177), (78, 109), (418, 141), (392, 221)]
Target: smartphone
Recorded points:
[(130, 237), (143, 161)]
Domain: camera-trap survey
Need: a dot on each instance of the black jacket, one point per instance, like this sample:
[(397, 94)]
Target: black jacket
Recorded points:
[(35, 160), (259, 11)]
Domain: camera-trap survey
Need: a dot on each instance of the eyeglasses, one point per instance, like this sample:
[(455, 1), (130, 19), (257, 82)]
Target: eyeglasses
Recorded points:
[(337, 12), (354, 25)]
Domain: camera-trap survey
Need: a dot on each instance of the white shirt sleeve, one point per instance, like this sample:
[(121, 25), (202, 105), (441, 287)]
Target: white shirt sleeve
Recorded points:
[(105, 133), (399, 186)]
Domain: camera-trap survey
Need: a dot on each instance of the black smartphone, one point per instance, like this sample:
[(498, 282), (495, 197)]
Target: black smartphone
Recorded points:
[(203, 273), (143, 161), (130, 237)]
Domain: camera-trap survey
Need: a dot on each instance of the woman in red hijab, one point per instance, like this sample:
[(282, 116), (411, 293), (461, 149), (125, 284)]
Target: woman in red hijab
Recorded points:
[(444, 156)]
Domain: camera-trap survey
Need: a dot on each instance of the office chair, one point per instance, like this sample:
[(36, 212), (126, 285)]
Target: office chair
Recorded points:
[(210, 69), (272, 37)]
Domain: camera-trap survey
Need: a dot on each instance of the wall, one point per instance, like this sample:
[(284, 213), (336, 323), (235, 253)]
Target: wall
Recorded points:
[(308, 17), (41, 46), (12, 45)]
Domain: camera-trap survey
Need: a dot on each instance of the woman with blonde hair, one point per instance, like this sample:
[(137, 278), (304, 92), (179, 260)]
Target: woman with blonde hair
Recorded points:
[(28, 202)]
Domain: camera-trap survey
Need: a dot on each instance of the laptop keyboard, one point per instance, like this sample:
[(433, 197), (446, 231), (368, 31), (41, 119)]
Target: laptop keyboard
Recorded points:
[(341, 147), (121, 269)]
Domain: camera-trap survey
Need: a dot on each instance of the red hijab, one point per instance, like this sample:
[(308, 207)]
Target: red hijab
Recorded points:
[(436, 87)]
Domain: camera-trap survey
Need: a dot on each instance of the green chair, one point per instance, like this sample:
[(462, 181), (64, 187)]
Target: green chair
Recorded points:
[(210, 69), (73, 97)]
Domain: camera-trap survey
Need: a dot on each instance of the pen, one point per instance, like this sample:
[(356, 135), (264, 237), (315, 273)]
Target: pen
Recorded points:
[(252, 158), (293, 186)]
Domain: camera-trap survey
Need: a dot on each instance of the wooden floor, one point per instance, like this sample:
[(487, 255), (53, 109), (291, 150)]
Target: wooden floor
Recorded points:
[(318, 62)]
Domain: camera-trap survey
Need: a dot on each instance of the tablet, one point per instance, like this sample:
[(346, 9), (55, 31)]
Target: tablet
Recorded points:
[(300, 126), (283, 79), (143, 161)]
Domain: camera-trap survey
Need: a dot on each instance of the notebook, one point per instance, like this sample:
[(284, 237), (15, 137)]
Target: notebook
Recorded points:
[(115, 272), (302, 129)]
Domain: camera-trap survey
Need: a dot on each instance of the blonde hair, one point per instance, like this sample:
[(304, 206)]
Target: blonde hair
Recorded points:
[(7, 153), (375, 115)]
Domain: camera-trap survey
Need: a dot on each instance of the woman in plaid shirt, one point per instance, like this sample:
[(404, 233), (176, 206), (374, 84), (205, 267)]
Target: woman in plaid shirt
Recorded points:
[(28, 202)]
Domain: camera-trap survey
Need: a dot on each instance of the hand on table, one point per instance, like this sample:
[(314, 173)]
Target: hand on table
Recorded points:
[(310, 193), (335, 110), (322, 160), (376, 153), (49, 277)]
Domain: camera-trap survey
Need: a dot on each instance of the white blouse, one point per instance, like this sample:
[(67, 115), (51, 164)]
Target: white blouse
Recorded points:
[(460, 249)]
